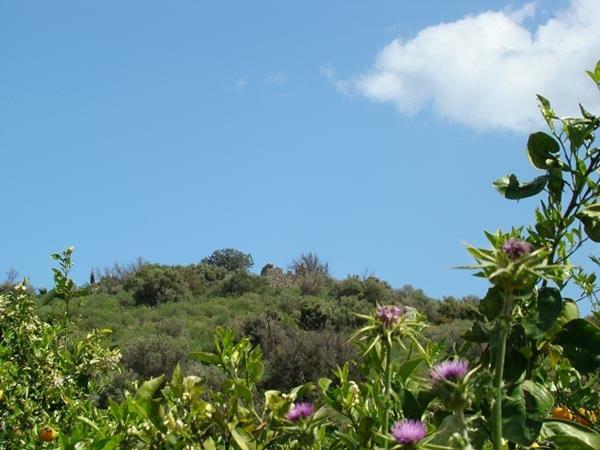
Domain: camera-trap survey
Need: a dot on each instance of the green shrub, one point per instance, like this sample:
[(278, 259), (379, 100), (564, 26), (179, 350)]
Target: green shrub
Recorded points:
[(349, 287), (47, 375), (152, 285), (116, 388), (371, 289), (312, 283), (299, 356), (151, 356), (239, 283), (230, 260), (451, 309), (294, 356), (313, 316), (112, 280), (172, 326), (210, 273), (193, 279), (376, 291)]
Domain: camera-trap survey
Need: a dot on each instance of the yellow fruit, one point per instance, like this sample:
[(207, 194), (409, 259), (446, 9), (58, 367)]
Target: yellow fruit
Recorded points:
[(562, 412), (535, 445), (48, 434), (1, 395)]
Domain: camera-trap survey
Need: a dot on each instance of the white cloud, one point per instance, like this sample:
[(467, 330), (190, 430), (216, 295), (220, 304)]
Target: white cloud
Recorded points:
[(342, 86), (277, 78), (524, 13), (484, 70), (241, 83)]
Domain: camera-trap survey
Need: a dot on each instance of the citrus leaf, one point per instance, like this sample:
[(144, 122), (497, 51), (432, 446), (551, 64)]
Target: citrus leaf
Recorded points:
[(570, 435), (511, 188)]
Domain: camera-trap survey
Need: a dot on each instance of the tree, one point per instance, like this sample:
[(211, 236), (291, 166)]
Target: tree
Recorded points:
[(12, 276), (230, 259), (309, 263)]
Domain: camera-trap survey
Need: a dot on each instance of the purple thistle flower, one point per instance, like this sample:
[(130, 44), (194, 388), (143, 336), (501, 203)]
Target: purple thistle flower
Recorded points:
[(449, 370), (409, 432), (515, 248), (389, 315), (300, 411)]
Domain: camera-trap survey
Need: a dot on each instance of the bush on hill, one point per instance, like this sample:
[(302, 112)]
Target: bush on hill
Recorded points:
[(230, 259), (239, 283), (151, 356), (152, 285)]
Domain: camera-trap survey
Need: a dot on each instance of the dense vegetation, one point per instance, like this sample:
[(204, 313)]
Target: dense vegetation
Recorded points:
[(301, 318), (298, 359)]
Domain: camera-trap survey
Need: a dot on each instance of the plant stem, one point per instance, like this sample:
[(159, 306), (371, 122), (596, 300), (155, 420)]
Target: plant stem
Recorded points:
[(388, 388), (502, 329), (465, 444), (67, 320)]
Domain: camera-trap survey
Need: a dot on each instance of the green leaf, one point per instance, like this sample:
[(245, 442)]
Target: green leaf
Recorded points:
[(590, 217), (348, 440), (255, 371), (569, 312), (323, 383), (242, 438), (523, 411), (491, 304), (209, 444), (540, 147), (556, 183), (549, 305), (243, 392), (206, 357), (580, 340), (107, 443), (365, 431), (177, 377), (408, 367), (478, 333), (510, 187), (425, 397), (595, 75), (410, 406), (547, 111), (517, 354), (147, 390), (570, 435), (449, 426), (577, 133), (538, 400)]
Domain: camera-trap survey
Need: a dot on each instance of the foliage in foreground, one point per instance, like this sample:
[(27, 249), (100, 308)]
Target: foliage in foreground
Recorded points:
[(527, 376)]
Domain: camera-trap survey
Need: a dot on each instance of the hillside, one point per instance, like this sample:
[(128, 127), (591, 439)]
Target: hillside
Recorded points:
[(301, 319)]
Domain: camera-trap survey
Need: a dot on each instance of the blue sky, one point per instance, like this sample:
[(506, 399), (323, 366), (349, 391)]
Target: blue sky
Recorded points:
[(168, 130)]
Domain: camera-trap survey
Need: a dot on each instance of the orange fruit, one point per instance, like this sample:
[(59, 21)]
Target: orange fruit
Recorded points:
[(592, 416), (562, 412), (584, 417), (48, 434)]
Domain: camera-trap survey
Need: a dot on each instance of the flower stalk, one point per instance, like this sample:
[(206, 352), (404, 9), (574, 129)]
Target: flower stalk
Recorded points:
[(464, 430), (502, 330), (387, 387)]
